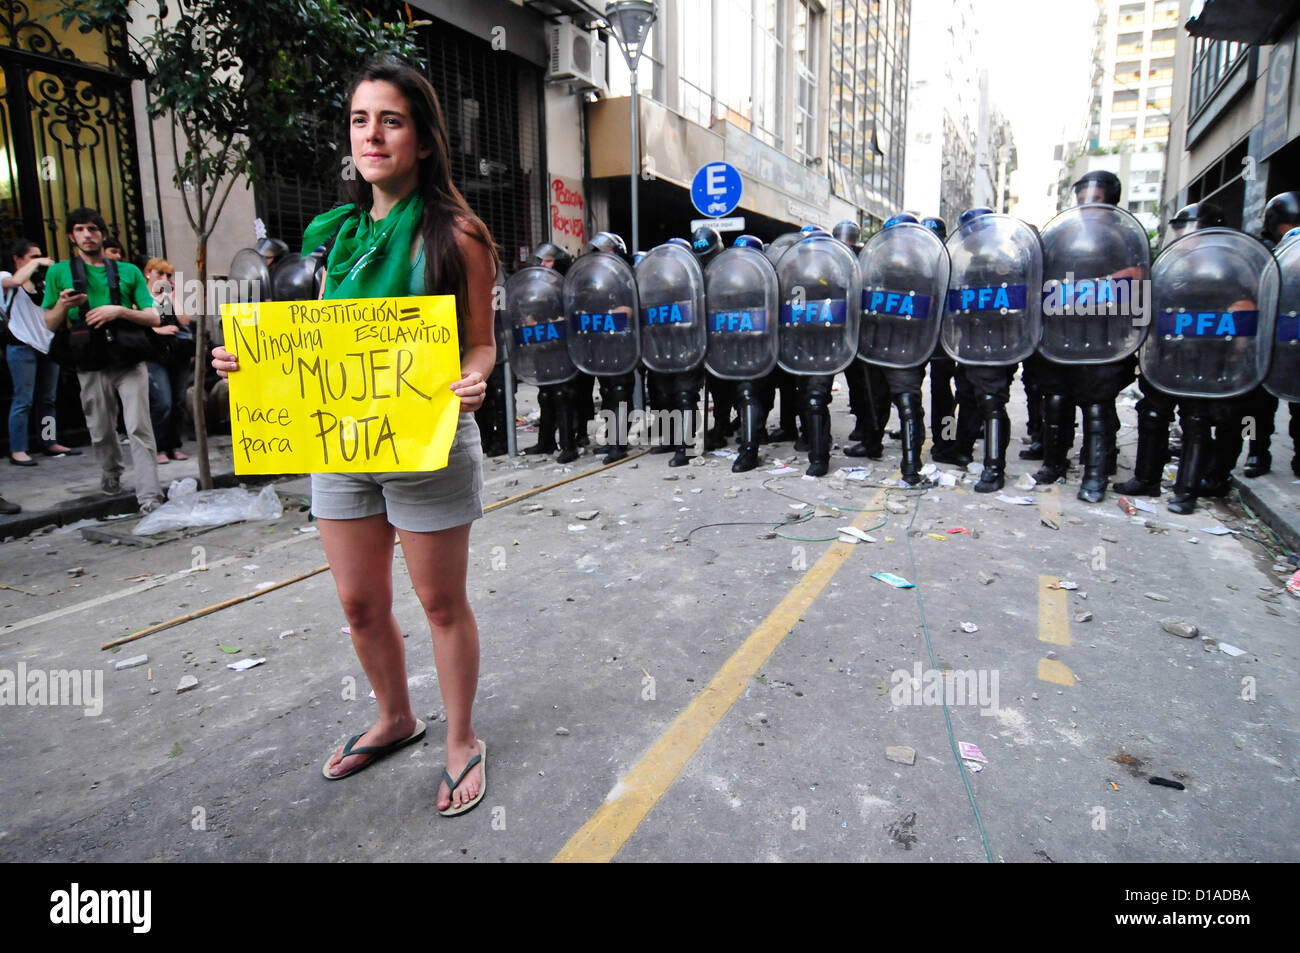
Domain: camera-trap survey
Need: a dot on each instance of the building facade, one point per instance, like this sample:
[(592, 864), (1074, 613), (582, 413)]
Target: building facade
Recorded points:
[(1131, 103), (1235, 140)]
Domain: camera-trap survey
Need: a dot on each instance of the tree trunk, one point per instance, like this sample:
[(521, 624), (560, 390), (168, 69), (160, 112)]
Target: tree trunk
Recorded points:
[(200, 368)]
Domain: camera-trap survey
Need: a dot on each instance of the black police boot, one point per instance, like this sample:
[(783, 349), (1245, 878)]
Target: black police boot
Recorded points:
[(801, 438), (545, 424), (871, 443), (912, 416), (950, 453), (1034, 399), (1153, 444), (564, 414), (1258, 459), (819, 442), (1096, 454), (686, 438), (997, 434), (1058, 414), (751, 424), (1216, 479), (1190, 466)]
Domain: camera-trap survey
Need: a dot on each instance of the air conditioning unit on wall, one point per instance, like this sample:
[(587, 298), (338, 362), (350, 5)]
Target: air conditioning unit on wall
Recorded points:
[(576, 56)]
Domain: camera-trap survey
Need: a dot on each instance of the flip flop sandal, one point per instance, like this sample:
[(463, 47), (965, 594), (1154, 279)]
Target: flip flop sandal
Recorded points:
[(375, 752), (481, 757)]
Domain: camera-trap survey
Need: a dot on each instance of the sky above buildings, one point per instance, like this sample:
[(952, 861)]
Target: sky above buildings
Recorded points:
[(1038, 54)]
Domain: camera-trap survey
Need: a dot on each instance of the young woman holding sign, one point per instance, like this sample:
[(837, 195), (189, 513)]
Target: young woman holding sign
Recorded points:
[(408, 231)]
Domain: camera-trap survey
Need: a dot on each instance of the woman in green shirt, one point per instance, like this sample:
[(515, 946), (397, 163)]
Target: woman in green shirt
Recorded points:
[(408, 231)]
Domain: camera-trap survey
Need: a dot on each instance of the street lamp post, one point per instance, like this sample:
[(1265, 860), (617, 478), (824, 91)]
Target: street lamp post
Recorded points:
[(630, 21)]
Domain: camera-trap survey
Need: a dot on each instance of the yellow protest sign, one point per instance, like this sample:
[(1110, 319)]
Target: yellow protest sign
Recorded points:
[(356, 386)]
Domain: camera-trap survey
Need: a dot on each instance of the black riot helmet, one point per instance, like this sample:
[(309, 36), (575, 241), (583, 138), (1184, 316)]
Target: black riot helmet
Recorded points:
[(679, 242), (607, 242), (748, 241), (706, 243), (272, 249), (550, 255), (1191, 218), (1281, 214), (636, 259), (849, 233), (1097, 186), (936, 225)]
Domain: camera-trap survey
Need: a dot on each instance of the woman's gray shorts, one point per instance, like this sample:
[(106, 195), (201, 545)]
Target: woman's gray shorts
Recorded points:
[(418, 502)]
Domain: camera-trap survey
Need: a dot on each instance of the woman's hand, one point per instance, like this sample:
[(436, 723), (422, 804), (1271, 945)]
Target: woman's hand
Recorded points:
[(223, 362), (471, 389)]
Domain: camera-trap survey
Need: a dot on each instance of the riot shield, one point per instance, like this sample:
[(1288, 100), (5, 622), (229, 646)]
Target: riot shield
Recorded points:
[(780, 245), (294, 278), (820, 306), (600, 302), (741, 292), (670, 289), (1214, 300), (1096, 262), (993, 314), (1284, 377), (252, 279), (535, 326), (904, 279)]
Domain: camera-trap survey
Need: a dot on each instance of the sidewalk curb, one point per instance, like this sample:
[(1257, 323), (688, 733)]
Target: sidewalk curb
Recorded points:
[(23, 524), (1285, 524)]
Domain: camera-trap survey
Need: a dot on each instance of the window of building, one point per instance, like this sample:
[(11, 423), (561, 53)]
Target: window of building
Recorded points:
[(1158, 131), (868, 98), (769, 53), (1128, 74), (1132, 16), (1122, 130), (695, 62), (1128, 44), (803, 40), (1124, 101), (1161, 70), (1162, 41), (1212, 62)]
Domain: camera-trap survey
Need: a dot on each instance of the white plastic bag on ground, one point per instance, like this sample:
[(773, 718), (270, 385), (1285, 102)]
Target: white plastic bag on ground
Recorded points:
[(187, 507)]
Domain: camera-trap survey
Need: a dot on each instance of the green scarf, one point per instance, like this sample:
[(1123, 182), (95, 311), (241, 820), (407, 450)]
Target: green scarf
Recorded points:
[(369, 259)]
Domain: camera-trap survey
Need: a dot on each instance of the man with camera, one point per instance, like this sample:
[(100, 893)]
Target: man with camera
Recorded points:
[(100, 311)]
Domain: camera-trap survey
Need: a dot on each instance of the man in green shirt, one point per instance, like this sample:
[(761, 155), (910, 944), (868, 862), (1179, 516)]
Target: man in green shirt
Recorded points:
[(128, 382)]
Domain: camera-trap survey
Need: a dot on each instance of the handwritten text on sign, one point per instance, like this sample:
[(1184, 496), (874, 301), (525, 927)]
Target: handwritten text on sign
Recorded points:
[(359, 386)]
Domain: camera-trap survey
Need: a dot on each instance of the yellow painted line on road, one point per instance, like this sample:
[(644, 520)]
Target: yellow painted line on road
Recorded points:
[(1054, 671), (1053, 612), (1053, 604), (627, 805)]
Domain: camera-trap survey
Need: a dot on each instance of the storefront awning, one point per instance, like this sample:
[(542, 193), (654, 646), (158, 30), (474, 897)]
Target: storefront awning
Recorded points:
[(1258, 22)]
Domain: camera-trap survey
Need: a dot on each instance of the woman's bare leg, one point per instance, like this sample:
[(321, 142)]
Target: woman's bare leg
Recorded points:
[(437, 563), (360, 554)]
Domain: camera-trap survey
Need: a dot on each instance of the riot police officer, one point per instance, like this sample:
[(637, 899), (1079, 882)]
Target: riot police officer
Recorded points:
[(741, 294), (818, 329), (604, 336), (993, 319), (536, 331), (670, 291), (905, 270), (1156, 408), (1214, 297), (1281, 214), (1093, 253)]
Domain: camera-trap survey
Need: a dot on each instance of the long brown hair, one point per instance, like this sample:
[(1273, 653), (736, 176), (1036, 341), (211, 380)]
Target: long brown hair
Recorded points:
[(446, 213)]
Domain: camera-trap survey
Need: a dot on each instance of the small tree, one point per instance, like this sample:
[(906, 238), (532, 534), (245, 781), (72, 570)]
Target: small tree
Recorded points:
[(239, 80)]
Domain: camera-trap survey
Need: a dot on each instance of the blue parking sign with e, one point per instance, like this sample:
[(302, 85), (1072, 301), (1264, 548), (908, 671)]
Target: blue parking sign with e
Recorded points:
[(716, 188)]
